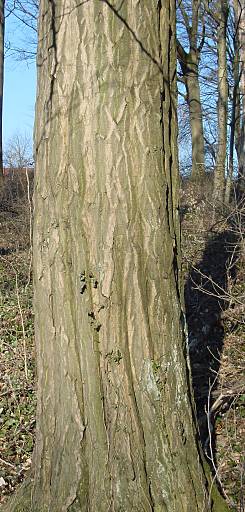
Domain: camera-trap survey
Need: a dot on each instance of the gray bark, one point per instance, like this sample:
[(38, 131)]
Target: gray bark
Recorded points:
[(196, 121), (219, 174), (189, 63), (240, 14), (235, 118), (115, 427)]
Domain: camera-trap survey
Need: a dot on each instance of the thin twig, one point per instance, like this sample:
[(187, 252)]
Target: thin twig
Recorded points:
[(2, 461)]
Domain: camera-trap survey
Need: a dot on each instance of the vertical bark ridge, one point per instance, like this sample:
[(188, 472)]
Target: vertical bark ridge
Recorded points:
[(112, 373)]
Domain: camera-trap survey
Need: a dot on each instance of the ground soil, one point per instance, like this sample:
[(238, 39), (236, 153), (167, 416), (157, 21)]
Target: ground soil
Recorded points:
[(214, 274)]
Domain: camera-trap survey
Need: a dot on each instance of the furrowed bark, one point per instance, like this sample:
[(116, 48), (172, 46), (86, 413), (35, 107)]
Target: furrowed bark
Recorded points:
[(115, 427)]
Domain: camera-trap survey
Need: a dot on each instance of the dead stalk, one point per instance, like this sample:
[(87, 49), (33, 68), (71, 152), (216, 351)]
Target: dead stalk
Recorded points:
[(30, 227), (22, 324)]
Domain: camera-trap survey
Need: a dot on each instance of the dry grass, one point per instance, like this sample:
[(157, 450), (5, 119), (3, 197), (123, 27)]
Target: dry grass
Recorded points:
[(17, 367), (214, 270)]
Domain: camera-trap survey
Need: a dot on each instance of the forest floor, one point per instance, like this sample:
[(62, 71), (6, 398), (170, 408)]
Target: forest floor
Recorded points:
[(213, 252), (213, 247), (17, 354)]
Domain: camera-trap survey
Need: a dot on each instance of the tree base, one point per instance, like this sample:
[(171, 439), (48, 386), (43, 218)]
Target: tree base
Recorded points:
[(21, 500)]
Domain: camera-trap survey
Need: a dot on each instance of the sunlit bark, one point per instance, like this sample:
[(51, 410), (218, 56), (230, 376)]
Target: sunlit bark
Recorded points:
[(189, 63), (115, 423), (239, 7), (220, 168)]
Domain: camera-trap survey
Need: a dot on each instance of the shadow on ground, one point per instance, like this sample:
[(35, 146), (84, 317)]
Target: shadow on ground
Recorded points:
[(205, 304)]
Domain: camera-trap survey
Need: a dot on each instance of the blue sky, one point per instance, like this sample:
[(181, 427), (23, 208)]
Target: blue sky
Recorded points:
[(19, 88), (19, 99)]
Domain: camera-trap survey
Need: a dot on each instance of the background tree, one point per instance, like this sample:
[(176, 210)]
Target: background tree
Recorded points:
[(239, 7), (234, 76), (18, 162), (2, 23), (221, 17), (219, 74), (189, 59), (115, 420), (18, 152), (25, 14)]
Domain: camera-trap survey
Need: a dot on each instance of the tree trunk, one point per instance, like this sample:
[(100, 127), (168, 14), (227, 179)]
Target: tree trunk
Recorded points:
[(196, 120), (228, 184), (189, 63), (219, 174), (235, 119), (240, 9), (189, 67), (2, 23), (115, 428)]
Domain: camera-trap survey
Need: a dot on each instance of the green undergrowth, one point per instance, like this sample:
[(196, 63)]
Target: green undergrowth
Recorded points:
[(17, 358)]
